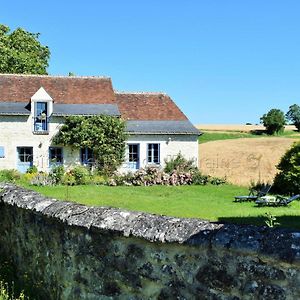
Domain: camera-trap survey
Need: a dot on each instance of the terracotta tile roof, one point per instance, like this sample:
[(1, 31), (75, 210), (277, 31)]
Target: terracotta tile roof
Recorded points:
[(90, 90), (62, 89), (148, 106)]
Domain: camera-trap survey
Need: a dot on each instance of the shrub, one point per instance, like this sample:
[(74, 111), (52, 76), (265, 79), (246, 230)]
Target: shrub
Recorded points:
[(217, 181), (179, 163), (200, 179), (42, 179), (68, 179), (28, 177), (32, 170), (151, 176), (293, 115), (57, 174), (98, 179), (9, 175), (274, 121), (81, 175), (287, 181)]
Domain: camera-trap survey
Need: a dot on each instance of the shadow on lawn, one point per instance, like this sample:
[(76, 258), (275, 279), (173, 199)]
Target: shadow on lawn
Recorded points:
[(291, 222), (258, 132), (264, 132)]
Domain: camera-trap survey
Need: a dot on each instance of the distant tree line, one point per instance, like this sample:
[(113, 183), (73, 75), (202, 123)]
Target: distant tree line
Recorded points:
[(275, 119)]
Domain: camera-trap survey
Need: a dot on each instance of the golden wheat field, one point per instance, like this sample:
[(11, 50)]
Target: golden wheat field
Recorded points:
[(244, 160)]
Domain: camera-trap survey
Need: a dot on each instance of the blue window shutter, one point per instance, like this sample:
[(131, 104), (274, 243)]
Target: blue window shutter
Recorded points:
[(1, 152)]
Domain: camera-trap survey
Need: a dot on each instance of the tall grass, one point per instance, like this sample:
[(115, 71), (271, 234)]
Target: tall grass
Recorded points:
[(6, 295)]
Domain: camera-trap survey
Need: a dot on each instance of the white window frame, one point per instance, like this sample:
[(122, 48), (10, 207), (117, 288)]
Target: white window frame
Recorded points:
[(151, 161)]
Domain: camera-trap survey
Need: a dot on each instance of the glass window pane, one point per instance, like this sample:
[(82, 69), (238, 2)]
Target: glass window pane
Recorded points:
[(86, 156), (2, 152), (153, 153)]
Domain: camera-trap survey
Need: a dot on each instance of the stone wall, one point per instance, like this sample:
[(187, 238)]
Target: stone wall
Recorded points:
[(70, 251)]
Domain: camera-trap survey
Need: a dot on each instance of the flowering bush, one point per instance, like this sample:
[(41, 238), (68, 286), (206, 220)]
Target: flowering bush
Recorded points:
[(179, 163), (152, 176), (42, 179)]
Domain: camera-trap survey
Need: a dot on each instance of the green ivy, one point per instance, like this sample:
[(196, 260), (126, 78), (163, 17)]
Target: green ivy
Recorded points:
[(105, 135)]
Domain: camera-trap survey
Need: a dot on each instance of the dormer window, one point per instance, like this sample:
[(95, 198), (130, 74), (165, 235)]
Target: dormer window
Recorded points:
[(42, 107), (41, 116)]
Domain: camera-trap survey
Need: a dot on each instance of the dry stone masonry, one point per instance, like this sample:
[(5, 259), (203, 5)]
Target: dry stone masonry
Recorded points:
[(70, 251)]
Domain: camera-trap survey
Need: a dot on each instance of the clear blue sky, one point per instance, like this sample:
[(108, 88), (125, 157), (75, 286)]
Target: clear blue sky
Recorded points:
[(221, 61)]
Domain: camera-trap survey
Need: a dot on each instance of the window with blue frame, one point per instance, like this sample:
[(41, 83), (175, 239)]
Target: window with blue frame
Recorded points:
[(133, 156), (86, 156), (153, 155), (40, 118), (2, 153), (55, 156)]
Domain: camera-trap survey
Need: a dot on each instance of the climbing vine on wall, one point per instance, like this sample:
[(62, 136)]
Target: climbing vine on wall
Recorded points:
[(105, 135)]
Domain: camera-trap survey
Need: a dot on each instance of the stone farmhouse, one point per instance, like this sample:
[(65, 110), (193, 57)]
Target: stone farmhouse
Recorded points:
[(33, 107)]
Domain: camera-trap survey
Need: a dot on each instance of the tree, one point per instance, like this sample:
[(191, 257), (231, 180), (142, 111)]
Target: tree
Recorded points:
[(21, 52), (287, 181), (274, 121), (105, 135), (293, 115)]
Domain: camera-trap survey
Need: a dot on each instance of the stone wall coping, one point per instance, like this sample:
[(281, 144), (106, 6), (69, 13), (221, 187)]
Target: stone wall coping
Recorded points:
[(282, 244)]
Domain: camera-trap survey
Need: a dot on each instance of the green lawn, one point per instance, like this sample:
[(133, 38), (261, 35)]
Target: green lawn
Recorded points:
[(206, 202), (209, 136)]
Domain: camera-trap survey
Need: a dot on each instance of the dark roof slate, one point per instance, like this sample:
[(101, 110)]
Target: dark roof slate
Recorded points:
[(14, 108), (85, 109), (161, 127)]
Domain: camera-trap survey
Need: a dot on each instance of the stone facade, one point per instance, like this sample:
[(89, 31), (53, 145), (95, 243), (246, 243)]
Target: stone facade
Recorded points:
[(69, 251), (170, 146), (17, 131)]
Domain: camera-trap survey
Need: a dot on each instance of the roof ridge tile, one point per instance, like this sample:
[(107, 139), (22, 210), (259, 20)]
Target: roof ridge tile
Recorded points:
[(139, 93), (55, 76)]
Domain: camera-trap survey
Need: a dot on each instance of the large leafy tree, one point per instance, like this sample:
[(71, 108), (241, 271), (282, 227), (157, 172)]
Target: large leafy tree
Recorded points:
[(287, 181), (293, 115), (21, 52), (105, 135), (274, 121)]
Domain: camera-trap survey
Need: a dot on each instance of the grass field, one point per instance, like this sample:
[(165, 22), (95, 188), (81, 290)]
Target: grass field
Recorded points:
[(214, 203), (210, 135), (237, 127)]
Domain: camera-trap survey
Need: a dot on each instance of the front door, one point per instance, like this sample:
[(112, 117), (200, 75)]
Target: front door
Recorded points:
[(24, 159)]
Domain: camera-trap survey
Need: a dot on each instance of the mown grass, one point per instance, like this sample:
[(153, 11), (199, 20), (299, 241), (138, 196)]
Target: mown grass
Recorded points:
[(214, 203), (209, 136)]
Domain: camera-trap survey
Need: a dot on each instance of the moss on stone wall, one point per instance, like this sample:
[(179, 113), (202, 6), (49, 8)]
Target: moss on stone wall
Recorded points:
[(70, 251)]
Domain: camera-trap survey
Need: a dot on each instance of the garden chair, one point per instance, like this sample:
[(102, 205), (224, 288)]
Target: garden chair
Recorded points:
[(276, 201), (254, 194)]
